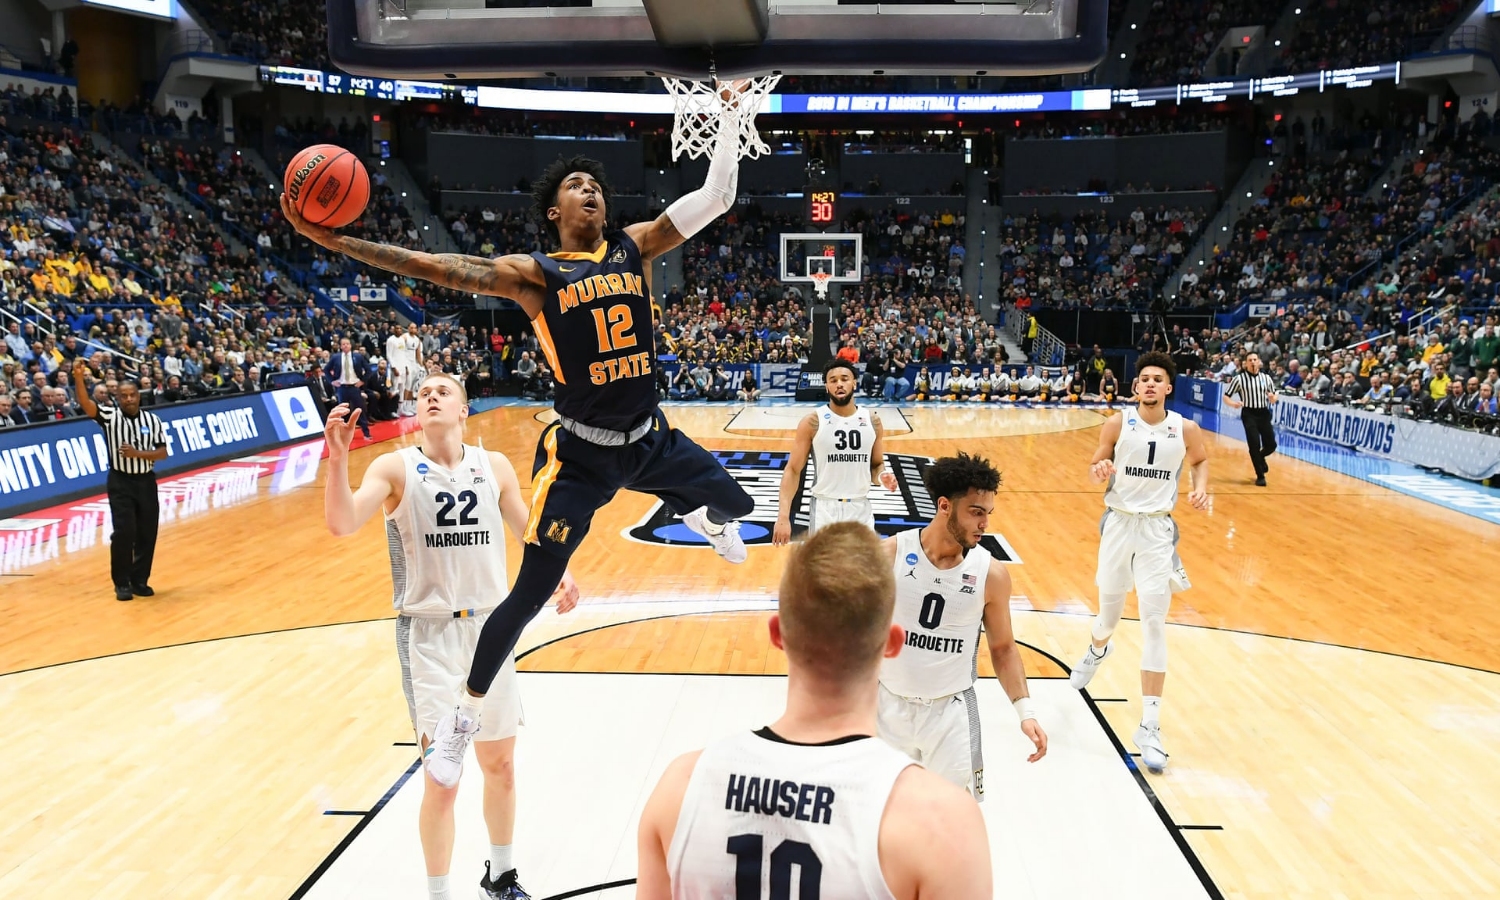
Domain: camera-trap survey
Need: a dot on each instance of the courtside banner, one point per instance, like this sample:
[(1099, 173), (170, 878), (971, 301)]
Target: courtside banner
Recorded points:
[(1199, 392), (773, 379), (45, 464)]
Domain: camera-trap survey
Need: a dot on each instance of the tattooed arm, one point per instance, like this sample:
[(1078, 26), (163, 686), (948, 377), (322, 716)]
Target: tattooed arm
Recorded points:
[(516, 277)]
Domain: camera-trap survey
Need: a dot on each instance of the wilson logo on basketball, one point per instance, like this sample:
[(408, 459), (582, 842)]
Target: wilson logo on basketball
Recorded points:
[(302, 175), (328, 191)]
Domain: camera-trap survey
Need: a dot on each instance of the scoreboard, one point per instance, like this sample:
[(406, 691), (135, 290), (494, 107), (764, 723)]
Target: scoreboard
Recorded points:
[(822, 208)]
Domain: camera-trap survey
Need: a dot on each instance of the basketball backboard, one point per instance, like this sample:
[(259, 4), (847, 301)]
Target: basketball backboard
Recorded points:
[(437, 39), (839, 255)]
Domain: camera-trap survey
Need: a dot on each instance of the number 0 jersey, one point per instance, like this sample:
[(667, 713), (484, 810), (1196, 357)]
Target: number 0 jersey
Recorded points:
[(447, 537), (941, 610), (597, 332), (841, 455), (1148, 462), (761, 814)]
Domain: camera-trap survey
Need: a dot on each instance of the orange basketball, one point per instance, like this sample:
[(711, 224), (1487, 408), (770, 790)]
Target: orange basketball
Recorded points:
[(328, 185)]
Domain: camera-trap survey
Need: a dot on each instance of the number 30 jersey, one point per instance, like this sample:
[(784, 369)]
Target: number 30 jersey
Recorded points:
[(447, 537), (841, 455), (941, 610), (766, 818)]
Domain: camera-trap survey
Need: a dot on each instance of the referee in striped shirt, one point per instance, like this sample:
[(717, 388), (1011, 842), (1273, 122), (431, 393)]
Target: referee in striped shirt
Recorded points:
[(137, 441), (1255, 392)]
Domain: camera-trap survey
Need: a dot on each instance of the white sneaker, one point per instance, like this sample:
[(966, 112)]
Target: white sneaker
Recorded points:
[(1083, 673), (726, 543), (445, 755), (1178, 580), (1148, 741)]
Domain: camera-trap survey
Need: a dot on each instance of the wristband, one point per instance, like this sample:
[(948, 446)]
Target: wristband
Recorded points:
[(1023, 709)]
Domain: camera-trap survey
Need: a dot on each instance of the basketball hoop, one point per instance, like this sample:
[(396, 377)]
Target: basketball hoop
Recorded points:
[(820, 283), (701, 111)]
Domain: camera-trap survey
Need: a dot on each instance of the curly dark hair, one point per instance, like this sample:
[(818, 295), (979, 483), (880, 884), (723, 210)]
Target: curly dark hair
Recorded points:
[(955, 476), (1157, 360), (837, 363), (544, 189)]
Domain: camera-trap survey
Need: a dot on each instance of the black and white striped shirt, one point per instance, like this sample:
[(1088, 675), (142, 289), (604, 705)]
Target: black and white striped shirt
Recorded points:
[(1253, 389), (144, 432)]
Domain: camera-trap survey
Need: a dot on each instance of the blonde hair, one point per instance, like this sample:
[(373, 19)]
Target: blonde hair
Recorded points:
[(462, 391), (837, 597)]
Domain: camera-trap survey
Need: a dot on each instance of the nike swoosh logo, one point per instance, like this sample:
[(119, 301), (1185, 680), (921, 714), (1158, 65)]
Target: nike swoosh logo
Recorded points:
[(566, 268)]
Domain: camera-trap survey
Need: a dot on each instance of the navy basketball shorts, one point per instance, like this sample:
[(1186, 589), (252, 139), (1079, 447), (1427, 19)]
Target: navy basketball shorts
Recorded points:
[(573, 478)]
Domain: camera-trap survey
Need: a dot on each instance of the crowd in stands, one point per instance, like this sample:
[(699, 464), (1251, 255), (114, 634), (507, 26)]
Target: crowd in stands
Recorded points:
[(1120, 125), (1316, 227), (280, 33), (1334, 34), (1179, 37), (1092, 259)]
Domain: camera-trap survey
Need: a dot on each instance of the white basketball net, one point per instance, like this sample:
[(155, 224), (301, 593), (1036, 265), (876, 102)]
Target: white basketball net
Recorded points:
[(701, 111), (820, 283)]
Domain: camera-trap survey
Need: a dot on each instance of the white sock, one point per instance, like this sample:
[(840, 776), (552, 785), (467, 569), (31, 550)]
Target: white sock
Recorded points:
[(499, 860), (1098, 652), (437, 888), (710, 526), (1151, 711), (469, 705)]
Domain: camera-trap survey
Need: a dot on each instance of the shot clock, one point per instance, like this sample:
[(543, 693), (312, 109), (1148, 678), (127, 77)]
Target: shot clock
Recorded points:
[(822, 208)]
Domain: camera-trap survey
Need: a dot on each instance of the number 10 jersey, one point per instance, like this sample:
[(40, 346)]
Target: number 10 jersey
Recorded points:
[(767, 819), (447, 537)]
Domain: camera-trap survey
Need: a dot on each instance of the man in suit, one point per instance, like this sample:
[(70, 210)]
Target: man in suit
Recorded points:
[(347, 369)]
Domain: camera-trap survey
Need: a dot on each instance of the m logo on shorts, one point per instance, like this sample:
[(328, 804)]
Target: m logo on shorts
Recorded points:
[(558, 531)]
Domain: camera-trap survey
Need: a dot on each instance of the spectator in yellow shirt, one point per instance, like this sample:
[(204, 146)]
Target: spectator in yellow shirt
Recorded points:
[(1433, 348), (1437, 385)]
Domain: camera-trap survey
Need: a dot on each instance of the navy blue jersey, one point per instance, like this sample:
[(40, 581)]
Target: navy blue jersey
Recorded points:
[(597, 332)]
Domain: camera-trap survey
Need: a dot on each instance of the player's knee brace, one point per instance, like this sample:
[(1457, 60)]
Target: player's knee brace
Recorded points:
[(1154, 632), (1108, 619)]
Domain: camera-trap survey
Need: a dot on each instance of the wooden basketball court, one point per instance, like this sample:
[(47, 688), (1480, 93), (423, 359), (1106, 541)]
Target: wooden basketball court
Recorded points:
[(1332, 711)]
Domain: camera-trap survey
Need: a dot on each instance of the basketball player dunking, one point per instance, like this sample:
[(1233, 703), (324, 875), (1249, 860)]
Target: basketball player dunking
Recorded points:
[(848, 450), (445, 503), (590, 305), (1141, 454), (815, 799), (946, 585)]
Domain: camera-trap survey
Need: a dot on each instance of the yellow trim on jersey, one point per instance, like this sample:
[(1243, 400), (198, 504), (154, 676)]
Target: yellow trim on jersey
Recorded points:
[(544, 337), (543, 483), (596, 257)]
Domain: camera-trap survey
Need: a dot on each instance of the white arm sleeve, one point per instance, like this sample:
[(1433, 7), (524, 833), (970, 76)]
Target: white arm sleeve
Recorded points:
[(693, 212)]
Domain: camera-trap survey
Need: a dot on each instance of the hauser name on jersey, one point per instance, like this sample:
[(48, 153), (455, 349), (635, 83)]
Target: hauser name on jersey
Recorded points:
[(775, 797)]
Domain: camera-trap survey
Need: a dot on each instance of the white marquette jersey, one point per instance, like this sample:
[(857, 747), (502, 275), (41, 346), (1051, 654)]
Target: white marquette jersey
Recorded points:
[(766, 818), (941, 610), (447, 537), (395, 353), (841, 455), (1148, 462)]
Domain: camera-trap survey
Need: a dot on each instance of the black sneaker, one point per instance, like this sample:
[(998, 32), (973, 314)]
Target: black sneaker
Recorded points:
[(503, 888), (123, 593), (142, 590), (1260, 481)]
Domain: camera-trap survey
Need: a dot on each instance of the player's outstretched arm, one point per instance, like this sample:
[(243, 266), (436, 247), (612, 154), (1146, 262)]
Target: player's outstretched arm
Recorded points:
[(345, 510), (658, 823), (1103, 464), (791, 478), (1005, 655), (933, 842), (516, 277), (695, 211)]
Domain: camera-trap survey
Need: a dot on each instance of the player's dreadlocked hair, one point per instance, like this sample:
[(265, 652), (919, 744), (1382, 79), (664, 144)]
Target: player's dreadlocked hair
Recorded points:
[(955, 476), (544, 190)]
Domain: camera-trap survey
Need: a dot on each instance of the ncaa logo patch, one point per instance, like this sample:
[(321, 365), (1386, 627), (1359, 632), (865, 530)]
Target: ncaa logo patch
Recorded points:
[(911, 559), (759, 473)]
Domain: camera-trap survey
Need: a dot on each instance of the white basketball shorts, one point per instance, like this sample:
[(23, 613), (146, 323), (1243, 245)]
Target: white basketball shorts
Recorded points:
[(1139, 552), (435, 657), (410, 378), (942, 735), (822, 512)]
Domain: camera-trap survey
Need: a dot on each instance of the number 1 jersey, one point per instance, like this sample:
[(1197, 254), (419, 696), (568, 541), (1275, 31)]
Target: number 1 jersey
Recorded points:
[(447, 537), (767, 819), (597, 332)]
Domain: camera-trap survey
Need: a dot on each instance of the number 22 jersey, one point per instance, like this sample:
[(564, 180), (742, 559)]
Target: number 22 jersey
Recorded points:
[(762, 814), (597, 332)]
